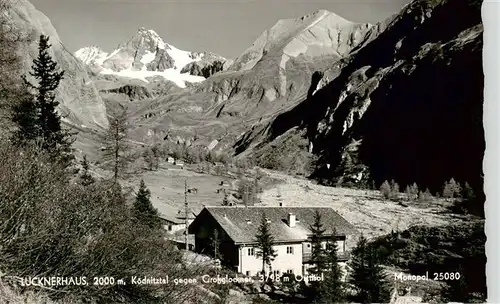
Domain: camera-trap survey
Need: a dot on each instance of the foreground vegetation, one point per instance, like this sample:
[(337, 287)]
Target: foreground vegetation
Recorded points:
[(55, 222), (52, 226), (448, 249)]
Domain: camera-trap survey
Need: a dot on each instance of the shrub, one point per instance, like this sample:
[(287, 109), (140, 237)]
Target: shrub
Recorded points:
[(51, 227)]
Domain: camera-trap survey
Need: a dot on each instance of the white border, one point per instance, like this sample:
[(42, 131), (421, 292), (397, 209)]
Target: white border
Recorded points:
[(491, 164)]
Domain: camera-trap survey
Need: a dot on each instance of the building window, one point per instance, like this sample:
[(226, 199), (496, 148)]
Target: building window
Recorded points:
[(247, 273), (308, 245), (251, 251), (290, 271), (289, 250)]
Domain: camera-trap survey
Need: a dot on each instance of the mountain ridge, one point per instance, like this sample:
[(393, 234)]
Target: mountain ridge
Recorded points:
[(80, 102), (146, 55), (405, 82), (233, 101)]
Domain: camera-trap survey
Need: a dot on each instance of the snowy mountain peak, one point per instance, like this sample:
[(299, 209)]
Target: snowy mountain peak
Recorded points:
[(314, 35), (91, 54), (146, 55), (145, 39), (150, 37)]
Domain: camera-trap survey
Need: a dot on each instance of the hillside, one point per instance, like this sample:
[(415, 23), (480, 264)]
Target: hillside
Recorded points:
[(319, 111), (80, 102), (267, 79), (407, 104)]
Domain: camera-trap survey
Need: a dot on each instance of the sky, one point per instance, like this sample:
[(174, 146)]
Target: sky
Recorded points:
[(224, 27)]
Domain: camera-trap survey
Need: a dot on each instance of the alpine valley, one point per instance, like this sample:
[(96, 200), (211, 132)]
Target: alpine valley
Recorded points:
[(378, 121)]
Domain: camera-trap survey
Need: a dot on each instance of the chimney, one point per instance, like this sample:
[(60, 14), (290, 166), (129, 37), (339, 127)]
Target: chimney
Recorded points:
[(291, 220)]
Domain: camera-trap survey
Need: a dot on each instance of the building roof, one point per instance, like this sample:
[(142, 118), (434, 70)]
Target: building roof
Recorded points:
[(241, 223), (181, 214), (172, 219)]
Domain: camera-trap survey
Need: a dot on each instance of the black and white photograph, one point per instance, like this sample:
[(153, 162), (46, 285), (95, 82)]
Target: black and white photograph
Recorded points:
[(242, 151)]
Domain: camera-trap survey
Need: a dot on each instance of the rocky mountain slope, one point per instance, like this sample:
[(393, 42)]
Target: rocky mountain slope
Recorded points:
[(146, 55), (80, 102), (407, 104), (267, 79), (92, 55), (210, 62), (277, 67)]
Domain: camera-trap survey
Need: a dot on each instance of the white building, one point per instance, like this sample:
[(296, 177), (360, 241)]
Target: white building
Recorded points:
[(178, 222), (289, 226)]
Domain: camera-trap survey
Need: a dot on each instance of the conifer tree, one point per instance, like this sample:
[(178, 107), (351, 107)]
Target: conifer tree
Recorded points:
[(385, 189), (414, 189), (215, 244), (367, 276), (411, 192), (115, 144), (86, 178), (143, 208), (265, 240), (47, 124), (468, 193), (318, 258), (408, 193), (451, 189), (48, 76), (332, 288), (155, 149), (149, 158), (394, 187), (24, 114)]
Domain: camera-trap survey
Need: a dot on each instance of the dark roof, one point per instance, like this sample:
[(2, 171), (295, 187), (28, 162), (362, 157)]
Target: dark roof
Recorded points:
[(172, 219), (181, 214), (179, 217), (234, 221)]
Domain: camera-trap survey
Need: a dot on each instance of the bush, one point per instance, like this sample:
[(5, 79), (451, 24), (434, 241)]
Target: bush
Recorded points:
[(51, 227)]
